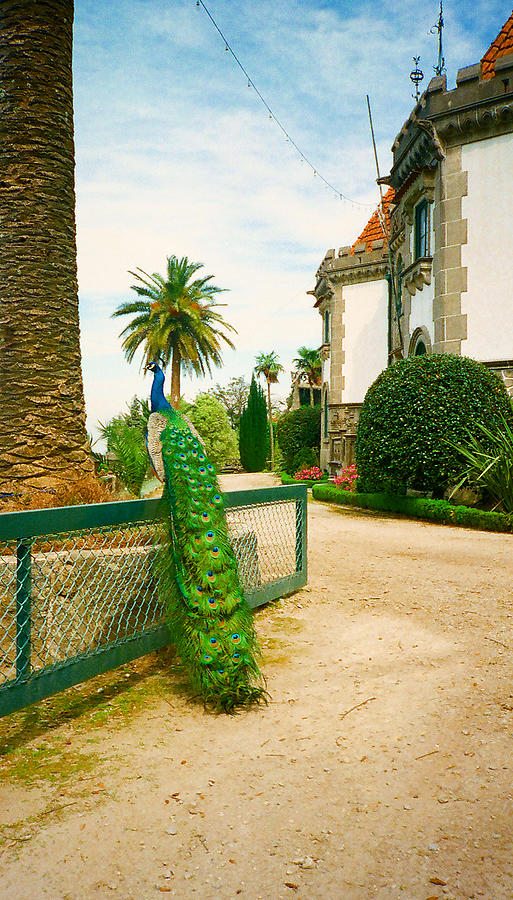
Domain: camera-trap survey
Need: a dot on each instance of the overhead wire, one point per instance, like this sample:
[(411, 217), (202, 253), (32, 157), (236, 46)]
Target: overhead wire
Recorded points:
[(251, 84)]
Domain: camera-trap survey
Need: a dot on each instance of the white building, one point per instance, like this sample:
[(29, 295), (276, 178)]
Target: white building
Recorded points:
[(450, 206)]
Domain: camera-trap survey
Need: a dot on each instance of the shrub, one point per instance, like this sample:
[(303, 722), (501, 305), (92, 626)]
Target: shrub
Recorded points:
[(254, 430), (313, 474), (347, 478), (489, 462), (211, 420), (415, 412), (299, 437), (127, 456), (439, 511)]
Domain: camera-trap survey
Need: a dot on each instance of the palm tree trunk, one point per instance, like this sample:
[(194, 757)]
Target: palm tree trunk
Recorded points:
[(271, 435), (311, 394), (43, 439), (176, 365)]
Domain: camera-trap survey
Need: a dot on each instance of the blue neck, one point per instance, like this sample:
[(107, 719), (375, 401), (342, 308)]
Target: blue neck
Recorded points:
[(158, 401)]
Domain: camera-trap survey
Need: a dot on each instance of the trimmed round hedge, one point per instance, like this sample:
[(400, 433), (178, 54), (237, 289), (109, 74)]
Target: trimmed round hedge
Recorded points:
[(410, 413)]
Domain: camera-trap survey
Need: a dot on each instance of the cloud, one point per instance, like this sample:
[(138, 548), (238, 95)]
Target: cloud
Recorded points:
[(176, 155)]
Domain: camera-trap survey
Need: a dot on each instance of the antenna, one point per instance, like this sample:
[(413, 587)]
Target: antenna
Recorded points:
[(439, 27), (396, 299)]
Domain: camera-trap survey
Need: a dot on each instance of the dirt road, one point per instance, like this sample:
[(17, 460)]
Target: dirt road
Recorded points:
[(382, 768)]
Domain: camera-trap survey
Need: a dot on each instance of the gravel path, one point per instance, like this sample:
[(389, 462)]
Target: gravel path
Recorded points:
[(382, 767)]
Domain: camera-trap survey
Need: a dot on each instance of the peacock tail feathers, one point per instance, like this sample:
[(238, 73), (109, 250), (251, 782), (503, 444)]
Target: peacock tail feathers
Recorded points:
[(210, 619)]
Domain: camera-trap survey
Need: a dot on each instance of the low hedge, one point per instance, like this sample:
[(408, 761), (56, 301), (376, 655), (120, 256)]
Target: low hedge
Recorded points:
[(287, 479), (434, 510)]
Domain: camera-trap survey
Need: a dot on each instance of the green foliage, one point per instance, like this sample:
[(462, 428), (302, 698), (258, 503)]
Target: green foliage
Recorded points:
[(175, 317), (415, 412), (254, 431), (211, 421), (299, 437), (434, 510), (309, 366), (234, 398), (489, 462), (124, 435)]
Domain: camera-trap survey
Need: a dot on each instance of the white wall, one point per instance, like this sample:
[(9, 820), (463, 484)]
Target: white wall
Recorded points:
[(366, 335), (422, 310), (488, 254)]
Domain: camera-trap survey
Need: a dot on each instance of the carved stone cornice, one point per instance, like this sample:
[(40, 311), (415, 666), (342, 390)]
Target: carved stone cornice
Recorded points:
[(416, 276), (476, 107), (370, 266), (323, 291), (489, 116)]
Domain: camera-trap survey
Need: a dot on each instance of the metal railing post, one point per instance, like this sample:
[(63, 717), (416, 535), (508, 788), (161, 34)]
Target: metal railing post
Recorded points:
[(301, 538), (23, 608)]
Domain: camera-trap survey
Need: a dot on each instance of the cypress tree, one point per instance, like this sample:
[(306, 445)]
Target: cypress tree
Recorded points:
[(254, 430)]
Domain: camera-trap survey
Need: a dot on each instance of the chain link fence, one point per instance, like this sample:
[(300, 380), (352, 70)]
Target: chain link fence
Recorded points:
[(79, 594)]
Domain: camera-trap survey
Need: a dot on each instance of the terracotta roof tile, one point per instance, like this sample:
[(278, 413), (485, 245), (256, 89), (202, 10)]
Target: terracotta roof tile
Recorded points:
[(501, 46), (373, 230)]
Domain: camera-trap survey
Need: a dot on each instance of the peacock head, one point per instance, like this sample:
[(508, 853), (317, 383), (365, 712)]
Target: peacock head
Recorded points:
[(154, 366)]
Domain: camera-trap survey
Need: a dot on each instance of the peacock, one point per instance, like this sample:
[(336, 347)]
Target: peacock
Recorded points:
[(210, 619)]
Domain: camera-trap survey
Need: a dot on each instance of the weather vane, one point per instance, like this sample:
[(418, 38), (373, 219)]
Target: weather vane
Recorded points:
[(416, 77), (439, 27)]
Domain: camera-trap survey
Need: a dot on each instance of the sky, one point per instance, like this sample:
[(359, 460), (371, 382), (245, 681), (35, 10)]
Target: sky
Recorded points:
[(177, 155)]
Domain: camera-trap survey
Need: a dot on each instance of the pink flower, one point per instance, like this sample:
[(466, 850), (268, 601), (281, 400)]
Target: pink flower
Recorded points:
[(347, 478)]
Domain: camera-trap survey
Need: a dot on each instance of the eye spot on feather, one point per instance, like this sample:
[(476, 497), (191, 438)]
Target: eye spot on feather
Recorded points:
[(214, 643), (212, 602), (210, 577), (216, 499), (208, 487), (197, 540), (199, 590), (214, 552), (202, 470), (236, 638), (185, 467), (201, 457), (209, 537), (236, 655), (205, 516), (206, 658), (210, 467), (182, 456)]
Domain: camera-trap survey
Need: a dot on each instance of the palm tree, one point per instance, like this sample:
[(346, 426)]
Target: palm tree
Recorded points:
[(43, 439), (268, 365), (308, 363), (175, 318)]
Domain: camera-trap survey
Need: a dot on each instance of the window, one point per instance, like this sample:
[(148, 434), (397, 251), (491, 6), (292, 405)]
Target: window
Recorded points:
[(422, 230), (325, 417), (420, 344), (326, 328)]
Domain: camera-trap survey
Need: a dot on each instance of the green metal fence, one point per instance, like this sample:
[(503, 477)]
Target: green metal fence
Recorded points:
[(78, 594)]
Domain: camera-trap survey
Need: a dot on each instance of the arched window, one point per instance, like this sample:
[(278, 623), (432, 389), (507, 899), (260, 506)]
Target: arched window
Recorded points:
[(420, 344)]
